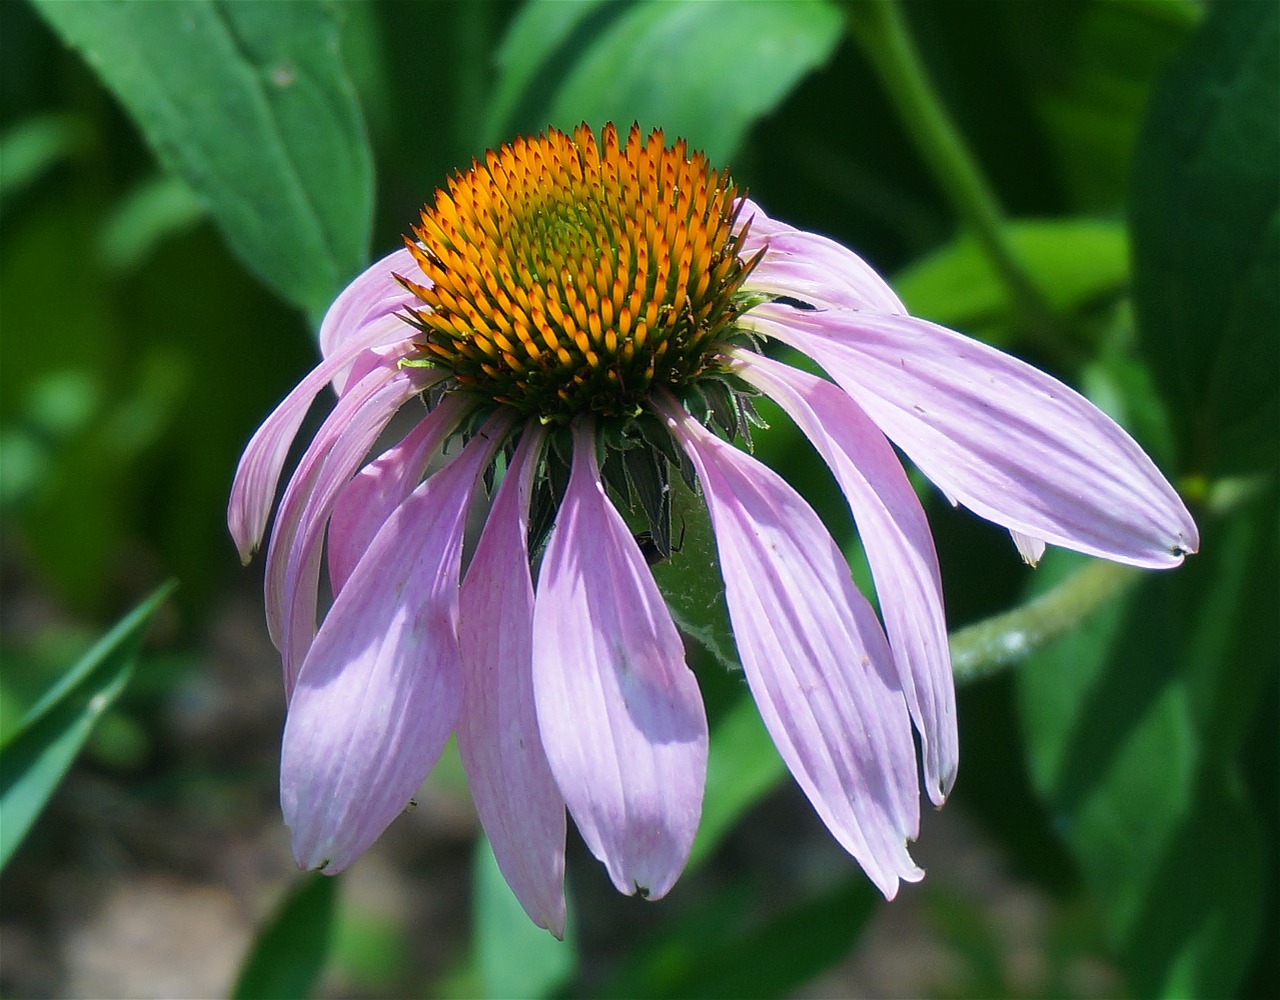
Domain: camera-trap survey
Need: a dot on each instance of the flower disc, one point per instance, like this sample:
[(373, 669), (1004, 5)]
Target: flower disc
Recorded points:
[(566, 276)]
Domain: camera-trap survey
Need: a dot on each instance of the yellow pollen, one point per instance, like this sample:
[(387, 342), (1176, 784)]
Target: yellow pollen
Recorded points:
[(565, 275)]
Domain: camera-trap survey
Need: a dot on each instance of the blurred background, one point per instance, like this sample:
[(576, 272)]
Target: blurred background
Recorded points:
[(1113, 830)]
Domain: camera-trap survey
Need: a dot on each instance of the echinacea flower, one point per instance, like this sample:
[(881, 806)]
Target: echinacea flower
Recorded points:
[(574, 321)]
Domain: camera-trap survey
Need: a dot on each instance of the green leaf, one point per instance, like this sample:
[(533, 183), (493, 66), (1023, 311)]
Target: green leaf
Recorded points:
[(38, 754), (251, 105), (703, 71), (1078, 263), (290, 952), (514, 956), (742, 767), (1135, 725), (1206, 240), (34, 146), (690, 579)]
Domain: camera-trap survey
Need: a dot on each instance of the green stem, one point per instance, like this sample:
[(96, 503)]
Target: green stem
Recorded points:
[(878, 26), (999, 642)]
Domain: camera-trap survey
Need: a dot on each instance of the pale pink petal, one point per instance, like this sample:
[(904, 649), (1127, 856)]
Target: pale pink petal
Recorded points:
[(381, 486), (380, 688), (1008, 441), (815, 657), (812, 268), (899, 547), (254, 489), (293, 556), (1030, 548), (514, 791), (620, 713), (374, 297)]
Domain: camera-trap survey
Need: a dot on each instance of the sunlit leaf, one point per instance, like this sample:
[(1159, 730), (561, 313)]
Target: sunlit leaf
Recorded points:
[(35, 758), (251, 105), (704, 71), (1078, 263)]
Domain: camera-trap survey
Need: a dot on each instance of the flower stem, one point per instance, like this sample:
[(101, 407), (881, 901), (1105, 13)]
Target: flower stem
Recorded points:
[(879, 27), (1001, 641)]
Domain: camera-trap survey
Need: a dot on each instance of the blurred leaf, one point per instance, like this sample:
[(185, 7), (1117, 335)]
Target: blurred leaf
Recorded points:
[(1078, 263), (1134, 725), (742, 767), (35, 145), (250, 104), (34, 760), (722, 949), (516, 958), (1089, 68), (290, 952), (703, 71), (1206, 240), (156, 209)]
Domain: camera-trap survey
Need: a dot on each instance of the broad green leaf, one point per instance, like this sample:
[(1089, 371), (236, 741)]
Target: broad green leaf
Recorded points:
[(1078, 263), (1206, 240), (251, 105), (35, 758), (290, 952), (1134, 724), (703, 71), (514, 956)]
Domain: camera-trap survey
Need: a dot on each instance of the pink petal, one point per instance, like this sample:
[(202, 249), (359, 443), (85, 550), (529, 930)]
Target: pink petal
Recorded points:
[(812, 268), (899, 546), (620, 713), (815, 656), (374, 296), (293, 557), (381, 486), (511, 782), (1008, 441), (380, 688), (254, 488)]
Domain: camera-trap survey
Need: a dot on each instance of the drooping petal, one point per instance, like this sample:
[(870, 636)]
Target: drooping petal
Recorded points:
[(899, 546), (815, 657), (380, 688), (812, 268), (620, 713), (254, 489), (381, 486), (512, 786), (374, 295), (1008, 441), (1029, 547), (293, 556)]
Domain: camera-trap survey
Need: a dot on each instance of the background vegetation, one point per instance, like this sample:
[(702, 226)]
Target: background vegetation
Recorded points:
[(185, 186)]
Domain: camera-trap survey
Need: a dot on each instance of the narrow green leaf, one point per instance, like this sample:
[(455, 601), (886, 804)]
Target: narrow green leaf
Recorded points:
[(33, 146), (515, 957), (290, 952), (38, 754), (1206, 240), (704, 71), (251, 105), (1079, 263)]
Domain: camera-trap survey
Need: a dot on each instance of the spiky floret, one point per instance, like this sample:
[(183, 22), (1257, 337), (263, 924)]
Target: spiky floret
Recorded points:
[(566, 276)]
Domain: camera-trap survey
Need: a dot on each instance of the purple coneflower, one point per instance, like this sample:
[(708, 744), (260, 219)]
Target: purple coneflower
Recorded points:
[(587, 320)]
